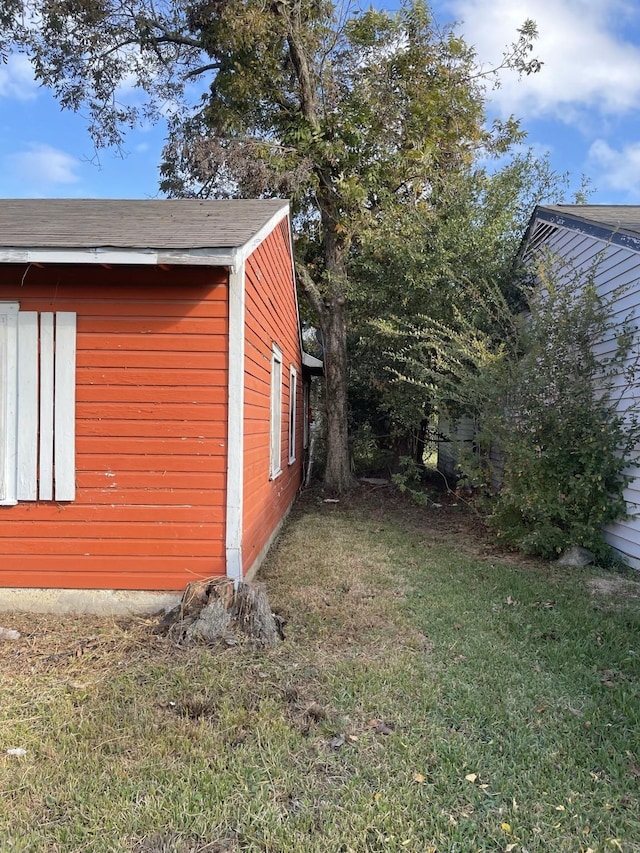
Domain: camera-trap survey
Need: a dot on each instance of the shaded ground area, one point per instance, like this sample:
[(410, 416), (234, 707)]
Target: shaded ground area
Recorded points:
[(433, 694)]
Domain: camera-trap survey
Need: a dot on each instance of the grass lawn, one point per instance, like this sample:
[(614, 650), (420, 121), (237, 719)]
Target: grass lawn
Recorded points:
[(433, 694)]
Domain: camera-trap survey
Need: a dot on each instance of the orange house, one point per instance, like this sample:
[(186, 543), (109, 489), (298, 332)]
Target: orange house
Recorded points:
[(151, 390)]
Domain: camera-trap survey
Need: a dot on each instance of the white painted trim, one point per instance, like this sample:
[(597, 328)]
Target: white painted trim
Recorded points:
[(197, 257), (45, 480), (235, 422), (251, 245), (117, 257), (8, 403), (27, 461), (275, 425), (293, 423), (64, 446), (235, 398)]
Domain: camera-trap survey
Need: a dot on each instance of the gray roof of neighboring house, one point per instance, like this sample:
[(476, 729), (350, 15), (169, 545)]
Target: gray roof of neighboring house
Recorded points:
[(617, 217), (614, 223), (185, 224)]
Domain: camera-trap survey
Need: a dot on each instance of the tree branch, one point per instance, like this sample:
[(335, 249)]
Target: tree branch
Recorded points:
[(196, 72), (310, 289)]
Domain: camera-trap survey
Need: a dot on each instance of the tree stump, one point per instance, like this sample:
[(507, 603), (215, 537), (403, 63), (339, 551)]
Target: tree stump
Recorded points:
[(212, 611)]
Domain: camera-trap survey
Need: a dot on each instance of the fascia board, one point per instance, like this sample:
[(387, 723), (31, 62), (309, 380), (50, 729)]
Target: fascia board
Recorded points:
[(600, 230), (252, 244), (117, 257)]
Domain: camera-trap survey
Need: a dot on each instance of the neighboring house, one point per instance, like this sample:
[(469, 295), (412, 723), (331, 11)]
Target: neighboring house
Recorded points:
[(602, 240), (452, 437), (151, 390)]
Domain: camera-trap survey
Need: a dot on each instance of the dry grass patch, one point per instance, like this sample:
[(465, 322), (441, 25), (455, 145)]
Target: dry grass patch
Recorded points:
[(614, 586)]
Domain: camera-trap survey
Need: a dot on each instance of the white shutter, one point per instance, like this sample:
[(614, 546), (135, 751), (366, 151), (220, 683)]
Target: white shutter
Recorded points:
[(46, 369), (45, 490), (65, 407), (27, 461), (8, 396)]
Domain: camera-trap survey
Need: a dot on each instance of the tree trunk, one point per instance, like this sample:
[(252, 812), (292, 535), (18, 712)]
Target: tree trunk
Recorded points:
[(213, 610), (337, 475), (333, 323)]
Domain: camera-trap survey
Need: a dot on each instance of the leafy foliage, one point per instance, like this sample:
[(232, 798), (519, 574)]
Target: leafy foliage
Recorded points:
[(355, 114), (434, 264), (552, 407), (557, 428)]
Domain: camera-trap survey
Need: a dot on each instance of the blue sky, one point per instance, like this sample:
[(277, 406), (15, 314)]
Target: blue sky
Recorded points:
[(583, 108)]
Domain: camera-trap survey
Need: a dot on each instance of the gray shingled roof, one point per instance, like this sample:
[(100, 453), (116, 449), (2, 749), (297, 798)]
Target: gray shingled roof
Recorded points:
[(133, 224), (618, 217)]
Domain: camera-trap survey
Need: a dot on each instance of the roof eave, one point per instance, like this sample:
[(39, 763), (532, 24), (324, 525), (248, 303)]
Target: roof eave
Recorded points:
[(602, 230), (311, 365), (113, 256)]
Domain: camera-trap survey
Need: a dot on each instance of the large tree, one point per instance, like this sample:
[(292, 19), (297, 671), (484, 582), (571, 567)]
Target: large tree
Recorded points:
[(433, 263), (351, 113)]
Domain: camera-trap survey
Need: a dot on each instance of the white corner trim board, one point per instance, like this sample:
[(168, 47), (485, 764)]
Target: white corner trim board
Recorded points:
[(235, 422)]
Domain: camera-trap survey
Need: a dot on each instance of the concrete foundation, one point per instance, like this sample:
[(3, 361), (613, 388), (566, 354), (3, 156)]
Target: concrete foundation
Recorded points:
[(98, 602)]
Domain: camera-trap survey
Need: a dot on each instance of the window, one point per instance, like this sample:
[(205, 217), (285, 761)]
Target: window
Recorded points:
[(293, 377), (37, 404), (276, 411)]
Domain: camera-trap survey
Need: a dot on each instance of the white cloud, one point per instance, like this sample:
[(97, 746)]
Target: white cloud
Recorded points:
[(42, 166), (16, 78), (588, 63), (618, 169)]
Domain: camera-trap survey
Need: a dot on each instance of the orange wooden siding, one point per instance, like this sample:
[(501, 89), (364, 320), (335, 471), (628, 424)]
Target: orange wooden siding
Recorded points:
[(270, 317), (151, 389)]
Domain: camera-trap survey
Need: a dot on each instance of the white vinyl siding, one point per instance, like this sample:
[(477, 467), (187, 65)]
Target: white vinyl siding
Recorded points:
[(276, 412), (616, 273), (37, 405), (293, 379)]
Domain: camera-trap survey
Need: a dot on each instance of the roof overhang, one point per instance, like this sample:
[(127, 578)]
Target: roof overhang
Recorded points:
[(118, 257), (570, 218), (311, 365), (64, 252)]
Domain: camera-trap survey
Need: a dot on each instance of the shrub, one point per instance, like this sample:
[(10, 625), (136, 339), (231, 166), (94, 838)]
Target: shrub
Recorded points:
[(555, 402)]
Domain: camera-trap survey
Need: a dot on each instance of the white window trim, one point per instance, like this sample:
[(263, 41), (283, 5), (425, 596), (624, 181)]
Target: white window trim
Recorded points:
[(293, 385), (275, 467)]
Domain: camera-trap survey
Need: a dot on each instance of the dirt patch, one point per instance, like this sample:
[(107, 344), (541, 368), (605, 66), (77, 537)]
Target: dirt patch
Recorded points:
[(614, 587), (73, 645)]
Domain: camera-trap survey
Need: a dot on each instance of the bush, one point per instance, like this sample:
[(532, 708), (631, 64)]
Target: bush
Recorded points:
[(555, 404)]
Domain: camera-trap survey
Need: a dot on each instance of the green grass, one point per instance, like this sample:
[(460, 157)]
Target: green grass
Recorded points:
[(485, 704)]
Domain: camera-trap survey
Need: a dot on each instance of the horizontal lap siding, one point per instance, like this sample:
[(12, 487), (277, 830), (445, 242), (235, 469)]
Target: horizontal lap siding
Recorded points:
[(616, 274), (270, 317), (151, 413)]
